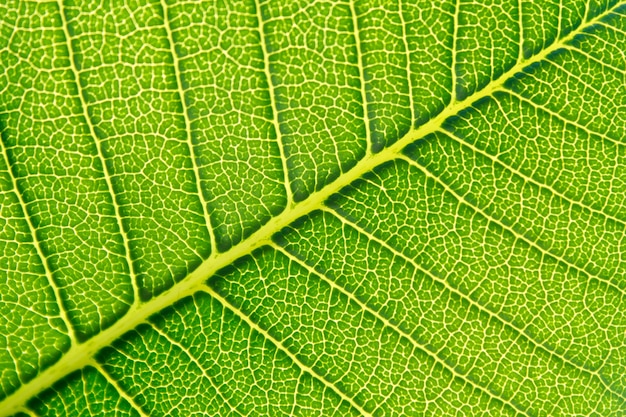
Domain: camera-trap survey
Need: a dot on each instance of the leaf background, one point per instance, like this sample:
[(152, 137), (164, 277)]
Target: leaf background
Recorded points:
[(312, 208)]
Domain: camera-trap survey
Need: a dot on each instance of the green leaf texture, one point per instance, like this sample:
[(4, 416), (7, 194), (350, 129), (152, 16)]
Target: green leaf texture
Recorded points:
[(313, 208)]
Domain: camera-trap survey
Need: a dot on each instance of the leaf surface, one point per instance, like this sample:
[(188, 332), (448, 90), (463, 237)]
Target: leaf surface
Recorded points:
[(312, 208)]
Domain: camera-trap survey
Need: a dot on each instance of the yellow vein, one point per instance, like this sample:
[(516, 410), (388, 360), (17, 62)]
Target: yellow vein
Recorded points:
[(593, 58), (455, 35), (79, 355), (398, 330), (511, 229), (185, 111), (562, 118), (359, 54), (295, 392), (617, 11), (123, 394), (37, 245), (467, 297), (559, 21), (26, 411), (280, 346), (520, 21), (577, 77), (528, 178), (105, 168), (408, 63), (607, 25), (272, 95), (195, 361)]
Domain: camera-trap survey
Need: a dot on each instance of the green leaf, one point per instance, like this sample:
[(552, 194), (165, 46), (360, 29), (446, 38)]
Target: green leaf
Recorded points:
[(312, 208)]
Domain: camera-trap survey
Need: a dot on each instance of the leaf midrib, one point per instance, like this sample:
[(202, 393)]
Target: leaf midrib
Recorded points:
[(81, 355)]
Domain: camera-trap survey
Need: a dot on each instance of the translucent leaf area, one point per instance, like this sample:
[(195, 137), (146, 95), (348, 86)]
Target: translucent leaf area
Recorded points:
[(312, 208)]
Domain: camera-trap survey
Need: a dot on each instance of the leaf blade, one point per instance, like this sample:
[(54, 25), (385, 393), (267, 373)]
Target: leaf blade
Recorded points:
[(512, 79)]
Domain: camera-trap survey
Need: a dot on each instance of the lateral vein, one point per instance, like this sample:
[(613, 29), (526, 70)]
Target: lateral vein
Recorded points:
[(563, 119), (511, 229), (185, 111), (105, 168), (361, 67), (37, 244), (280, 346), (272, 94), (399, 331), (195, 361), (455, 35), (408, 63), (470, 300), (130, 400), (529, 179)]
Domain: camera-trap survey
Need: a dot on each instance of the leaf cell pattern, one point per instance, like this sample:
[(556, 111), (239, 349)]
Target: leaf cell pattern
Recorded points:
[(327, 208)]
